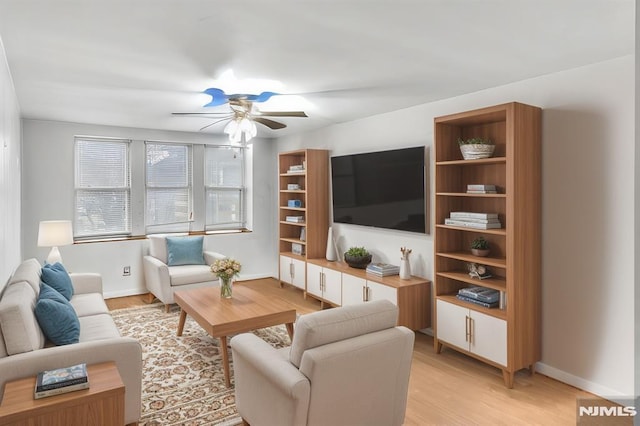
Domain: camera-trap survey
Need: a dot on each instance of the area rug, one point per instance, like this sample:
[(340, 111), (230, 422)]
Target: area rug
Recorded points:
[(182, 378)]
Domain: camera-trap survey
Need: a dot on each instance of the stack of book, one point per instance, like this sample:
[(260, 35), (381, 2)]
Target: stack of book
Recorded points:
[(481, 189), (383, 269), (299, 168), (61, 380), (482, 296), (474, 220), (294, 219)]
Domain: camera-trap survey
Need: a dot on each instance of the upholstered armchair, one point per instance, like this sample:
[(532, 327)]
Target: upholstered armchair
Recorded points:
[(346, 366), (177, 263)]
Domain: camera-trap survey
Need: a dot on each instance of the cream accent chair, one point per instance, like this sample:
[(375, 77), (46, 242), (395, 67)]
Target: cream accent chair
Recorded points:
[(346, 366), (163, 280)]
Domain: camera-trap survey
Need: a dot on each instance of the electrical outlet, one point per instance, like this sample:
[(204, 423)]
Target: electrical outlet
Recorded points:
[(126, 271)]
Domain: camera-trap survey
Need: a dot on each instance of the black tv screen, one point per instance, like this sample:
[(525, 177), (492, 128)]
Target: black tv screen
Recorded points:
[(384, 189)]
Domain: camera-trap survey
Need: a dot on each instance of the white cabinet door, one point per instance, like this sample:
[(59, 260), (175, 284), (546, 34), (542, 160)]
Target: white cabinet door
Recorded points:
[(314, 279), (285, 270), (353, 289), (379, 291), (452, 324), (489, 337), (299, 273), (332, 290)]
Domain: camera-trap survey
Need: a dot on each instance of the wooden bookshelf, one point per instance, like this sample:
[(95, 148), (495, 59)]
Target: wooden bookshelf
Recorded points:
[(507, 337)]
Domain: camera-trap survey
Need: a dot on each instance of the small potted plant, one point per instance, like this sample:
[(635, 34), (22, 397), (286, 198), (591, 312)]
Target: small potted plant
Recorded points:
[(476, 148), (480, 247), (357, 257)]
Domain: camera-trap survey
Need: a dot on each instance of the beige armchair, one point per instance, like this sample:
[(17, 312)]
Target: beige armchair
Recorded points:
[(346, 366), (163, 280)]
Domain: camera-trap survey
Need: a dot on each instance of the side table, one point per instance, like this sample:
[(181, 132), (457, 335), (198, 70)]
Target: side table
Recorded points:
[(100, 405)]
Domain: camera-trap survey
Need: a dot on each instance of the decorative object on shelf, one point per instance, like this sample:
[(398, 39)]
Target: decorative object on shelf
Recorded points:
[(294, 203), (226, 269), (357, 257), (405, 266), (332, 254), (54, 233), (478, 271), (303, 234), (480, 247), (476, 148)]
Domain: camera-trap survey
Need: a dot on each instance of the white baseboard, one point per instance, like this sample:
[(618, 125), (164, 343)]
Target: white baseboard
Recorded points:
[(581, 383), (123, 293)]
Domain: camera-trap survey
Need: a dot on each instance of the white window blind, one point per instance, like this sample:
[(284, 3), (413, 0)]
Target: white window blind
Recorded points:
[(224, 187), (169, 205), (102, 188)]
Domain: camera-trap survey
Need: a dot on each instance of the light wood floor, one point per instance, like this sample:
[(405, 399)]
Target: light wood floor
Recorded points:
[(450, 388)]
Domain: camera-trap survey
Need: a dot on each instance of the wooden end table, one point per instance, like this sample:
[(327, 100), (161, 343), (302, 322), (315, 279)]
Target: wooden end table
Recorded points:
[(102, 404), (247, 310)]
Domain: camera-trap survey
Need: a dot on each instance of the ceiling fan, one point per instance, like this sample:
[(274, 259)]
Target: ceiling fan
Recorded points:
[(243, 114)]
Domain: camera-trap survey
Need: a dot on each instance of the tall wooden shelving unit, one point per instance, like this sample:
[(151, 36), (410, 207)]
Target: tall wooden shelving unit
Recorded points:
[(314, 195), (507, 337)]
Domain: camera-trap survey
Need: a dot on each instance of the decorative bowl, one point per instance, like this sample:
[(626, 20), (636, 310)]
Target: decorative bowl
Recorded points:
[(476, 151), (359, 262)]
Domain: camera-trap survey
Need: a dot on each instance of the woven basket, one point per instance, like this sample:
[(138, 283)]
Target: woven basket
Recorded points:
[(476, 151)]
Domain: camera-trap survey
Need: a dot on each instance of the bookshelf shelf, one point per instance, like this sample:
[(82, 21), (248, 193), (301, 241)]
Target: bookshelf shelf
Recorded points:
[(515, 255)]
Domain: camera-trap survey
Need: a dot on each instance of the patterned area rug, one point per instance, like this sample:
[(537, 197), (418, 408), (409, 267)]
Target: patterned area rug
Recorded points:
[(183, 379)]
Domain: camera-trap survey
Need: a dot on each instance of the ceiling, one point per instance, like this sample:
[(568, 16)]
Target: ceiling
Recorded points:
[(132, 63)]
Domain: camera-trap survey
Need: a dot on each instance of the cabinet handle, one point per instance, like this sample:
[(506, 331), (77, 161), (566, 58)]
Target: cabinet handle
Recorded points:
[(292, 270), (368, 293), (364, 293), (471, 335), (467, 335), (321, 281)]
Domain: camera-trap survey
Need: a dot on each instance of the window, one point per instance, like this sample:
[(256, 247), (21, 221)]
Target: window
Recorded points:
[(224, 187), (102, 188), (169, 205)]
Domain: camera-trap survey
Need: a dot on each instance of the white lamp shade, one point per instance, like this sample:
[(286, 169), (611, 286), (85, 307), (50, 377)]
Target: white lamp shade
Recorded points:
[(54, 233)]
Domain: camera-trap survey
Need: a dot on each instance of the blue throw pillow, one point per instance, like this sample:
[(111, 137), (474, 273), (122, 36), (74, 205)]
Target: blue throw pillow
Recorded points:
[(185, 251), (57, 318), (57, 277)]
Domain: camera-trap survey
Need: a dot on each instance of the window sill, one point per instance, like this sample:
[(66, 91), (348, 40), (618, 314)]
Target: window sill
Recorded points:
[(144, 237)]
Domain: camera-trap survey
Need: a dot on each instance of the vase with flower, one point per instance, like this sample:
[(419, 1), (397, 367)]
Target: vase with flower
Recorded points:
[(226, 269), (405, 266)]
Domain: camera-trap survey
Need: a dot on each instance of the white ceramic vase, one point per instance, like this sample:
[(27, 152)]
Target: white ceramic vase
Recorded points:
[(405, 269)]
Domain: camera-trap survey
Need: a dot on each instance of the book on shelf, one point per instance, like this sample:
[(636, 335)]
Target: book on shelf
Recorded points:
[(481, 192), (294, 219), (476, 301), (473, 220), (383, 269), (379, 266), (480, 187), (472, 215), (483, 294), (61, 380), (475, 225), (480, 276)]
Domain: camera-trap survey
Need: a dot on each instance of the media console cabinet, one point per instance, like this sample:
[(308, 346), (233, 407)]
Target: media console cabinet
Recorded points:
[(338, 284)]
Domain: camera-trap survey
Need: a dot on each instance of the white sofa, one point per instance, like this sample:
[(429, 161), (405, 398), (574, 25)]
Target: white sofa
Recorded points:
[(24, 350), (163, 280), (346, 366)]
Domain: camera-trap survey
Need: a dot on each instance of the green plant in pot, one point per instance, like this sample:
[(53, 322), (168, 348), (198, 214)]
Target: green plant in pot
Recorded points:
[(357, 257), (476, 148), (480, 247)]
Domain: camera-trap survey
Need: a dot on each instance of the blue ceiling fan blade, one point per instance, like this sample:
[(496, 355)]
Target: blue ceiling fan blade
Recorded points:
[(218, 97)]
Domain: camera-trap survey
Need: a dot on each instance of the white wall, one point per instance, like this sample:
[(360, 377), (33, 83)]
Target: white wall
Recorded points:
[(10, 147), (48, 194), (587, 206)]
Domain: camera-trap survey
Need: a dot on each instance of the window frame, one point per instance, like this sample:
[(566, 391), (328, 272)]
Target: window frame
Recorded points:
[(127, 189)]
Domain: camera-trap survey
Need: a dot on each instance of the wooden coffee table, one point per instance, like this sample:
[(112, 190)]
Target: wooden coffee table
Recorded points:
[(247, 310)]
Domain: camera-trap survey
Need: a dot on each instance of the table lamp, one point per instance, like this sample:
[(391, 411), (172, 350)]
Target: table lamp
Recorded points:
[(54, 233)]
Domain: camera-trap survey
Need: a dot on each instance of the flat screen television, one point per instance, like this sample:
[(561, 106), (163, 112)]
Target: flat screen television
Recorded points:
[(384, 189)]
